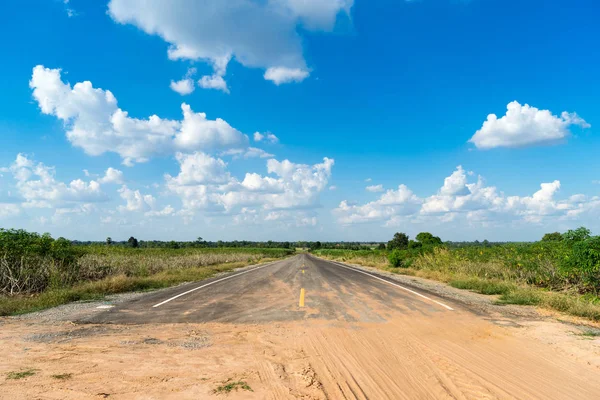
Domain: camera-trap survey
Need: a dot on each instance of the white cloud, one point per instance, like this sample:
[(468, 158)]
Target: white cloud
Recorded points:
[(213, 82), (279, 75), (374, 188), (525, 126), (199, 168), (95, 123), (183, 87), (267, 137), (332, 187), (112, 176), (136, 201), (286, 218), (69, 10), (165, 212), (258, 34), (250, 152), (38, 187), (473, 202), (368, 180), (9, 210), (392, 203), (204, 183)]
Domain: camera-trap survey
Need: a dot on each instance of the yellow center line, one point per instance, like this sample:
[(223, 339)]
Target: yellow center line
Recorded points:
[(301, 303)]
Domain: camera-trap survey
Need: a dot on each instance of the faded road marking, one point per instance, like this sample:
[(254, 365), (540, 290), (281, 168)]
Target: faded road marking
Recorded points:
[(211, 283), (395, 284), (302, 292)]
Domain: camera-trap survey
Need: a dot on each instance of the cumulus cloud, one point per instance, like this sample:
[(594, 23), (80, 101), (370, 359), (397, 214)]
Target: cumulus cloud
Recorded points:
[(523, 126), (136, 201), (112, 176), (392, 203), (213, 82), (199, 168), (38, 187), (266, 137), (204, 183), (374, 188), (165, 212), (469, 199), (258, 34), (185, 85), (96, 124)]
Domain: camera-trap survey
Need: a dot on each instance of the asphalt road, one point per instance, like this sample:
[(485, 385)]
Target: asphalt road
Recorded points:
[(297, 288)]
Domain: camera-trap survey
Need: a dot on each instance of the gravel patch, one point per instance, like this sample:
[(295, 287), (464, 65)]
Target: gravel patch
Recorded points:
[(67, 336)]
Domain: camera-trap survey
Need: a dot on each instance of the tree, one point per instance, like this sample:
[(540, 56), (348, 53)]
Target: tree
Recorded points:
[(414, 245), (552, 237), (427, 239), (133, 242), (577, 235), (109, 241), (381, 246), (399, 242)]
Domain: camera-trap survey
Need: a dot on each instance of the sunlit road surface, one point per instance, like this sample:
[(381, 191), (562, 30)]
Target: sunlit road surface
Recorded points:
[(364, 336)]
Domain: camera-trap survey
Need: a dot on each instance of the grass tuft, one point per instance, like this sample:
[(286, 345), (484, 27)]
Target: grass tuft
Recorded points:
[(489, 287), (20, 374), (590, 333), (229, 387), (521, 296), (62, 377)]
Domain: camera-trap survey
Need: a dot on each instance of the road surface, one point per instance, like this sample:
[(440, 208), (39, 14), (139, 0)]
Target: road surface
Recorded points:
[(273, 292), (363, 336)]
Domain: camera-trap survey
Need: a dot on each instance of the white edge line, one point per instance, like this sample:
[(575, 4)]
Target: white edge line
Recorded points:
[(395, 284), (211, 283)]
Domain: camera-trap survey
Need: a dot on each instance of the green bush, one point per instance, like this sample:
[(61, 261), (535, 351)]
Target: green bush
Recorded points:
[(396, 259)]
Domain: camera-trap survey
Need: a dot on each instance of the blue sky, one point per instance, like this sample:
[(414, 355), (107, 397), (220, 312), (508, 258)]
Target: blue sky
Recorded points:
[(393, 96)]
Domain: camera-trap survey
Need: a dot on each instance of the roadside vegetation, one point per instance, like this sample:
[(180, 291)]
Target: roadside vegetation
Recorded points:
[(560, 272), (233, 386), (15, 375), (37, 271)]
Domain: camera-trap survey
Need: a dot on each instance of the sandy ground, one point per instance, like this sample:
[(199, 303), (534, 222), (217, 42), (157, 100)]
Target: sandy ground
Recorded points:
[(408, 352)]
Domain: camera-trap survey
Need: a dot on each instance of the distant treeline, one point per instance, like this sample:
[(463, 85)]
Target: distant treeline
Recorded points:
[(133, 242), (200, 243)]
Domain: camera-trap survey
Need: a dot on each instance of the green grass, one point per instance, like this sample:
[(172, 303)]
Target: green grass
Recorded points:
[(62, 377), (229, 387), (521, 296), (20, 374), (590, 333), (489, 287), (97, 290)]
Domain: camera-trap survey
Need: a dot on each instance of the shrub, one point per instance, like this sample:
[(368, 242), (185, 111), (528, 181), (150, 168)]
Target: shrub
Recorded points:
[(395, 258)]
